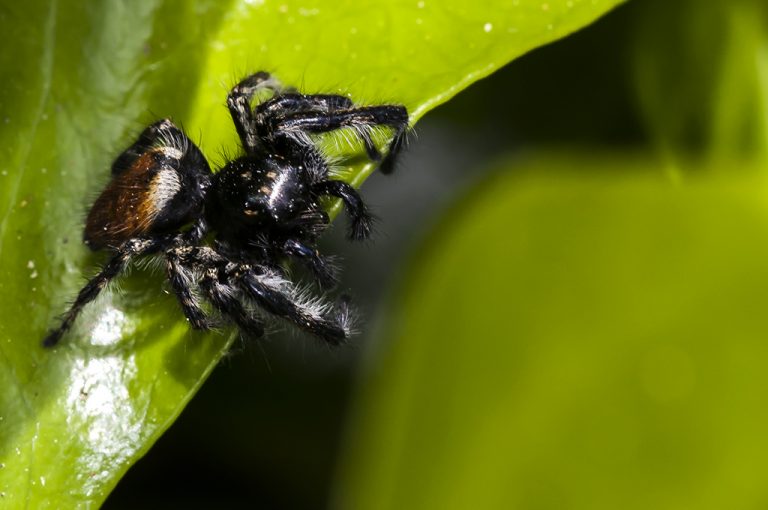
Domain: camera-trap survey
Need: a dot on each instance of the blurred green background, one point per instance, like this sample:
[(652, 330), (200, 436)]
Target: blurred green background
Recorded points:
[(565, 304)]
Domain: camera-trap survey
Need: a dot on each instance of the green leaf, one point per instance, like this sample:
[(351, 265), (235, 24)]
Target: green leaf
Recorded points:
[(80, 80), (575, 337), (701, 73)]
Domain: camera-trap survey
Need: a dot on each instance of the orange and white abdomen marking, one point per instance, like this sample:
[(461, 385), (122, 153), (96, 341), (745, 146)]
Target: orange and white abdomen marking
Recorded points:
[(131, 202)]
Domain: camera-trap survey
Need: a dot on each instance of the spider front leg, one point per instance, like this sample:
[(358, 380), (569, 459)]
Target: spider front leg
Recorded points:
[(180, 278), (281, 106), (239, 104), (93, 288), (361, 221), (280, 298), (285, 104), (223, 296), (322, 268), (387, 166), (362, 119)]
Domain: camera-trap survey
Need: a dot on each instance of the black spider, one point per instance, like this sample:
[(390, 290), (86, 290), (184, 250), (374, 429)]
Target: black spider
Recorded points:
[(226, 236)]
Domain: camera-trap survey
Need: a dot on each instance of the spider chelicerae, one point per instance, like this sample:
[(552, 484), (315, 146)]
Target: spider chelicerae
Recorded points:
[(225, 237)]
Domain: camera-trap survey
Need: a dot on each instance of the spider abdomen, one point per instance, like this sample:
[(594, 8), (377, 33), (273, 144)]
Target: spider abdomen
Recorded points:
[(149, 197)]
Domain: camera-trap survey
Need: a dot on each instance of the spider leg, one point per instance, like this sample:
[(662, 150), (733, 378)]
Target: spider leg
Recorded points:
[(194, 235), (280, 298), (239, 104), (361, 220), (280, 106), (362, 119), (387, 166), (223, 296), (324, 271), (181, 282), (310, 224), (93, 288), (284, 105)]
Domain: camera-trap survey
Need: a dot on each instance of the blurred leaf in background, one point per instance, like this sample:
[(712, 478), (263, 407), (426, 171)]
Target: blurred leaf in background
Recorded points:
[(575, 337), (587, 328), (80, 81), (701, 77)]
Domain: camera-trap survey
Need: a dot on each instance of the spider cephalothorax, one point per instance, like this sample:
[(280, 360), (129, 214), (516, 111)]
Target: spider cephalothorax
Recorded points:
[(226, 236)]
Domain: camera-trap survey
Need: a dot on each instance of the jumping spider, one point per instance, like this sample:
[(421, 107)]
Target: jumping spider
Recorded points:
[(226, 236)]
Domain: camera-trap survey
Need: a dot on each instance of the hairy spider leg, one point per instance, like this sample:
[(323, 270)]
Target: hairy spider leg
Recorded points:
[(309, 316), (239, 104), (181, 282), (284, 105), (251, 125), (293, 102), (310, 224), (128, 250), (325, 272), (362, 119), (181, 277), (269, 290), (387, 166), (248, 122), (361, 221), (224, 298)]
